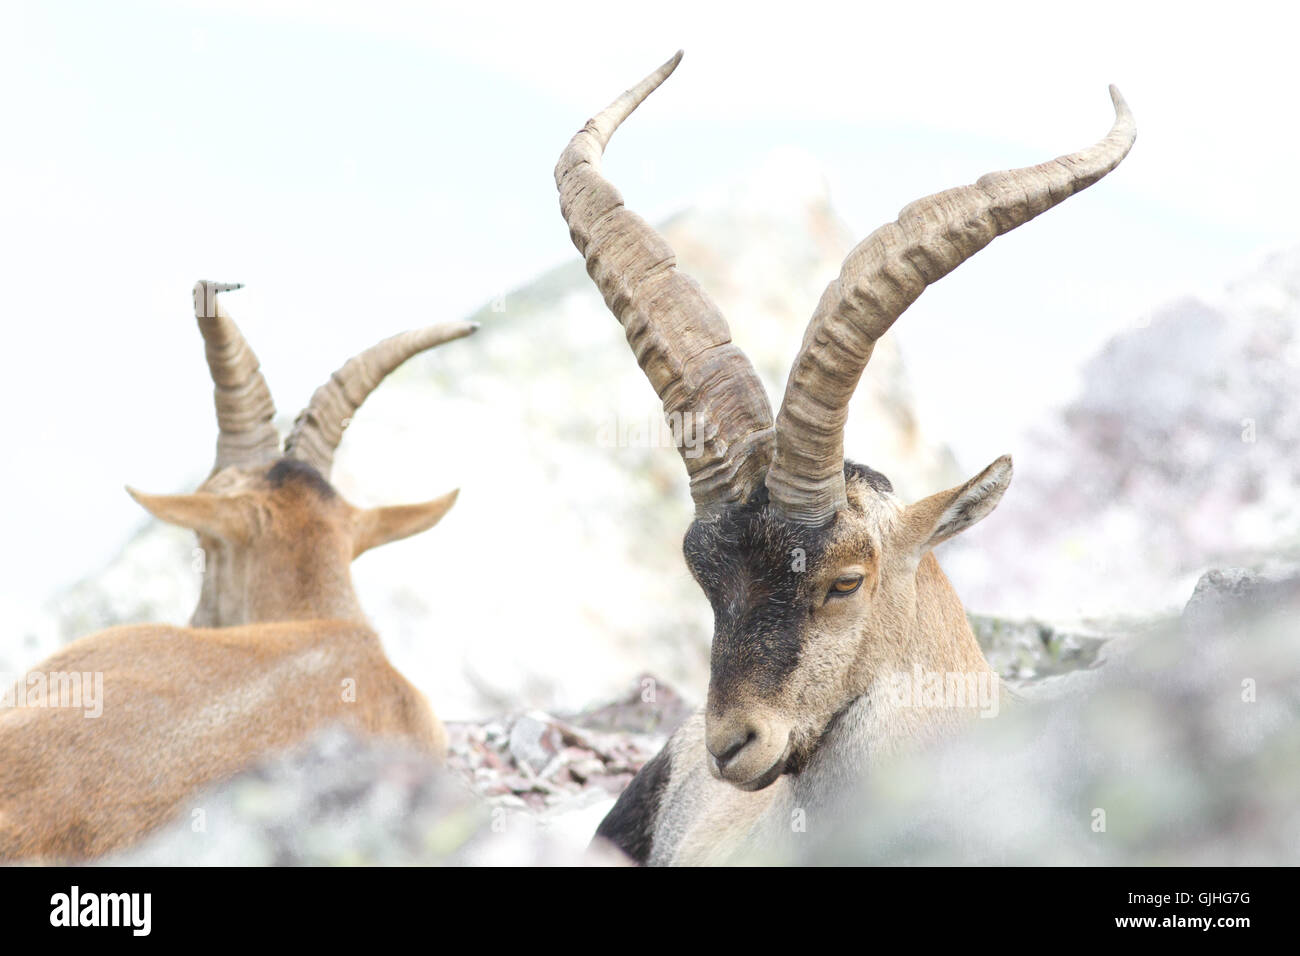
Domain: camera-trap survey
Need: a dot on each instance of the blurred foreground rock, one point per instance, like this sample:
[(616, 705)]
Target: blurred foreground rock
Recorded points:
[(1222, 596), (1181, 748), (513, 793), (338, 800), (1176, 744)]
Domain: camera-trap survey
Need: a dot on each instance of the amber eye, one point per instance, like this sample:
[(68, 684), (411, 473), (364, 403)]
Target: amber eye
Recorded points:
[(846, 585)]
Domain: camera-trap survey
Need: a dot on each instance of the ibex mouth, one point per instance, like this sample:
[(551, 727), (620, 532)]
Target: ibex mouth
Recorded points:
[(768, 776), (765, 780)]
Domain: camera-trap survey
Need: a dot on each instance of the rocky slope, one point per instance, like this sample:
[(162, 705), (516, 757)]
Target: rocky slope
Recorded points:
[(1182, 451)]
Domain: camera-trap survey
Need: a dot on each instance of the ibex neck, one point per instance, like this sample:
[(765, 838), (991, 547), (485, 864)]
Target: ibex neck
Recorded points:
[(933, 634), (233, 595)]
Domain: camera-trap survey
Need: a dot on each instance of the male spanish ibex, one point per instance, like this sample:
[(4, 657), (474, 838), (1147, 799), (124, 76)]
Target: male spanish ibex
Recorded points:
[(823, 585), (277, 648)]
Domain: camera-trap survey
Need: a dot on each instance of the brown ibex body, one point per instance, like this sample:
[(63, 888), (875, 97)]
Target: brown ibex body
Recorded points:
[(829, 607), (277, 648)]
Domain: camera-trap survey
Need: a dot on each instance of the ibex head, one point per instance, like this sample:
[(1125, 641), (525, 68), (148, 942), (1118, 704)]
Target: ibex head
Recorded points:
[(821, 580), (276, 538)]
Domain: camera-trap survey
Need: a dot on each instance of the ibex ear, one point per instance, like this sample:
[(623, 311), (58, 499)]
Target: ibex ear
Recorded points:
[(218, 516), (375, 526), (940, 517)]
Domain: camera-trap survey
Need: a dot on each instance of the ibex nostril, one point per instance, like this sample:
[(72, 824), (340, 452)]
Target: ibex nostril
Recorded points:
[(732, 750)]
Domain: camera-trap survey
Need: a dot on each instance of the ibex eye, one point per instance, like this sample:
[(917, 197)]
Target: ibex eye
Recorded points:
[(846, 585)]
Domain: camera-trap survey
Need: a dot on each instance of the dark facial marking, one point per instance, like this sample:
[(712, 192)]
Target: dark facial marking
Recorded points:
[(874, 479), (747, 561), (292, 471)]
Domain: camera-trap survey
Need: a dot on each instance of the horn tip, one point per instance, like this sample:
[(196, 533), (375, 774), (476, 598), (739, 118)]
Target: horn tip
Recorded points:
[(1122, 110), (668, 67), (638, 93), (459, 330), (218, 286), (205, 288)]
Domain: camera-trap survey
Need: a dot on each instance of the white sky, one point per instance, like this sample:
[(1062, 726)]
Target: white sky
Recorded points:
[(365, 168)]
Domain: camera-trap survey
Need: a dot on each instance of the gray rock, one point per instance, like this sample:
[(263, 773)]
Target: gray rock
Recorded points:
[(339, 799), (534, 742), (1021, 650), (345, 800), (1180, 748), (1223, 594), (552, 766)]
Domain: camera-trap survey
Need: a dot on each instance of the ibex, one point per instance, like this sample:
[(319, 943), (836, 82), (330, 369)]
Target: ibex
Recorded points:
[(277, 647), (823, 584)]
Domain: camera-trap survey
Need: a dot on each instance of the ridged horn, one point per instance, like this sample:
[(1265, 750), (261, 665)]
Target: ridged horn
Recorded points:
[(318, 429), (880, 278), (708, 387), (246, 434)]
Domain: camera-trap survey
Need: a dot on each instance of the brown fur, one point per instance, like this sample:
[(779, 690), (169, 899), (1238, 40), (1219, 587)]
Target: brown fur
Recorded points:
[(184, 708), (802, 678), (279, 549), (904, 614), (277, 648)]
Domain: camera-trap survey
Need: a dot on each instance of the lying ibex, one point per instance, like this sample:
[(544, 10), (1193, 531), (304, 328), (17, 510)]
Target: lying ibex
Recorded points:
[(130, 722), (824, 590)]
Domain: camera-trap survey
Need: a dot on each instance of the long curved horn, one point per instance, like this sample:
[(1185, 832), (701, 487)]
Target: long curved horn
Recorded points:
[(246, 433), (708, 387), (880, 278), (319, 427)]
